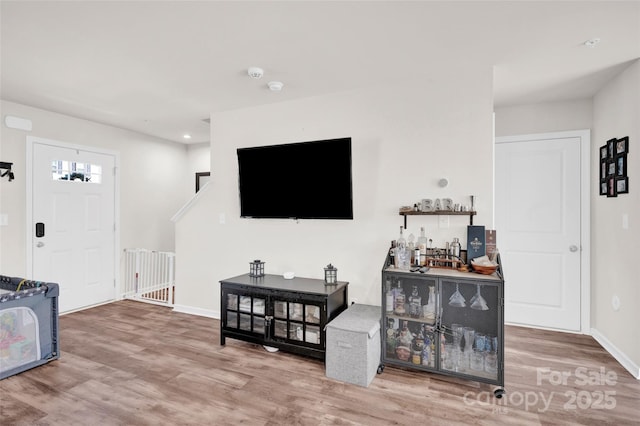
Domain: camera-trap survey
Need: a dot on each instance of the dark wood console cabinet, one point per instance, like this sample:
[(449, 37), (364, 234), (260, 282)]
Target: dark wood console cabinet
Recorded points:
[(290, 315)]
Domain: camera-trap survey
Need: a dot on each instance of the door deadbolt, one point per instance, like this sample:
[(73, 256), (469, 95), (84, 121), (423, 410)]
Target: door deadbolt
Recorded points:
[(39, 230)]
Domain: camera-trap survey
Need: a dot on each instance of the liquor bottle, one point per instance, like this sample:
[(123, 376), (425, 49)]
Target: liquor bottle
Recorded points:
[(401, 242), (403, 348), (389, 299), (422, 245), (426, 349), (391, 337), (398, 306), (411, 245), (403, 256), (392, 253), (406, 336), (430, 313), (415, 303), (411, 241), (416, 349)]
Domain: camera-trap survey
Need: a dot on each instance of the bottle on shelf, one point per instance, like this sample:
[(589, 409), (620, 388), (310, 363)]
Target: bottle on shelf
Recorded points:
[(405, 338), (415, 303), (422, 246), (389, 299), (399, 299), (402, 254), (416, 349), (430, 310), (427, 349), (411, 245), (391, 337), (392, 253)]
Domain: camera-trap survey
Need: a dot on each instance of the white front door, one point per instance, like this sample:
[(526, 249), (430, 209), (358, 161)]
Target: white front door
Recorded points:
[(73, 222), (538, 218)]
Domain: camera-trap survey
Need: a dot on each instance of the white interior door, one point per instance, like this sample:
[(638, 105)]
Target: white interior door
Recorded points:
[(538, 218), (73, 229)]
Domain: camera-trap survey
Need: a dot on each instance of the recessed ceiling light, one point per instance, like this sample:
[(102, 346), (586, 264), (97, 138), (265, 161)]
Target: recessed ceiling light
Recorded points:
[(592, 42), (186, 136), (275, 86)]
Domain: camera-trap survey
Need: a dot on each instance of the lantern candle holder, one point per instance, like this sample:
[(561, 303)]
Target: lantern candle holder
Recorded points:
[(330, 275), (256, 268)]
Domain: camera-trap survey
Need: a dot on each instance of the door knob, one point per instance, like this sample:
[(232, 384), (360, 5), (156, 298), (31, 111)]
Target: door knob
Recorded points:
[(40, 244), (573, 248)]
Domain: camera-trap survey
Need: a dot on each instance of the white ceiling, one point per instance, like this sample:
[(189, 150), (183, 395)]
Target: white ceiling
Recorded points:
[(161, 67)]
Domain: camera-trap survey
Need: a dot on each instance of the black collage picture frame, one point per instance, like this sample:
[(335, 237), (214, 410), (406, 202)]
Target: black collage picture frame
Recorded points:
[(614, 179)]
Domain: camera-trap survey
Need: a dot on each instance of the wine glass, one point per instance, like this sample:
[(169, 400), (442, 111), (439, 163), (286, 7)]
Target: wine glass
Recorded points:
[(479, 303), (457, 299), (457, 331), (469, 338)]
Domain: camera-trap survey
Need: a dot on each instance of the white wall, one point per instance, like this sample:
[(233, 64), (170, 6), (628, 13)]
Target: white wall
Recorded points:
[(544, 117), (614, 271), (153, 176), (404, 138)]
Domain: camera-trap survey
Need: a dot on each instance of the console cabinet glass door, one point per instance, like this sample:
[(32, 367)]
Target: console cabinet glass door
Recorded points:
[(297, 321), (245, 312), (471, 319), (410, 307)]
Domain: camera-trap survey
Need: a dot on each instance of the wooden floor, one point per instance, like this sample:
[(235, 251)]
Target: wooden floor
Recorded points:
[(130, 363)]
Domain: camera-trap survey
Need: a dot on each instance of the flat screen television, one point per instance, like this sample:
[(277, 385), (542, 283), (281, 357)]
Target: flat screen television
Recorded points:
[(305, 180)]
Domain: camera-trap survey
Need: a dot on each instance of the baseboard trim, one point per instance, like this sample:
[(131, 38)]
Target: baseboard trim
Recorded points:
[(197, 311), (559, 330), (620, 356)]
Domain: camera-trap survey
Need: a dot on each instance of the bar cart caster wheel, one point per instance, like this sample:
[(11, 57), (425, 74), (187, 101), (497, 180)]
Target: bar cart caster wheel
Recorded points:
[(498, 393), (380, 369)]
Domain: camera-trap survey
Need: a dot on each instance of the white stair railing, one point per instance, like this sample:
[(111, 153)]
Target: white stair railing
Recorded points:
[(149, 276)]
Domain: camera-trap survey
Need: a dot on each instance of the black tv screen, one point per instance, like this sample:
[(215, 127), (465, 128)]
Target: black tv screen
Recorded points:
[(305, 180)]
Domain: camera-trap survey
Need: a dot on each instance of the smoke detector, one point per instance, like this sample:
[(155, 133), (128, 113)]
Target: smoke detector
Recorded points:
[(592, 42), (255, 72), (275, 86)]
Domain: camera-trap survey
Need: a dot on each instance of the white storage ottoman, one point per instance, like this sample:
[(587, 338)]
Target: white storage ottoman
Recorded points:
[(353, 345)]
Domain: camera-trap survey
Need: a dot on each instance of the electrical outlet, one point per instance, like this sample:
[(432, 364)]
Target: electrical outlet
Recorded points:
[(615, 302)]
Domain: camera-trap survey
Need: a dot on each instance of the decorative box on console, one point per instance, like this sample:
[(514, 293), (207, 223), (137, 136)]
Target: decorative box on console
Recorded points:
[(353, 345)]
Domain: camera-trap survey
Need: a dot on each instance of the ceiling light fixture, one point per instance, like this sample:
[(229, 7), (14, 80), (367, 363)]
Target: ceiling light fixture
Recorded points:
[(275, 86), (592, 43), (186, 136), (255, 72)]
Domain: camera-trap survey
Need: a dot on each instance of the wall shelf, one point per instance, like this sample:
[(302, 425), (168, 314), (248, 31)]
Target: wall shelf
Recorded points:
[(438, 213)]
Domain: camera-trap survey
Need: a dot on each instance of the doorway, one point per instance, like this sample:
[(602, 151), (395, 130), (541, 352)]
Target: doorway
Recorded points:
[(72, 221), (542, 218)]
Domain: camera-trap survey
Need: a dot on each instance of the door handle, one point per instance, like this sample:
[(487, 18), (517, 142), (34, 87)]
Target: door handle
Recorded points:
[(40, 244), (573, 248)]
